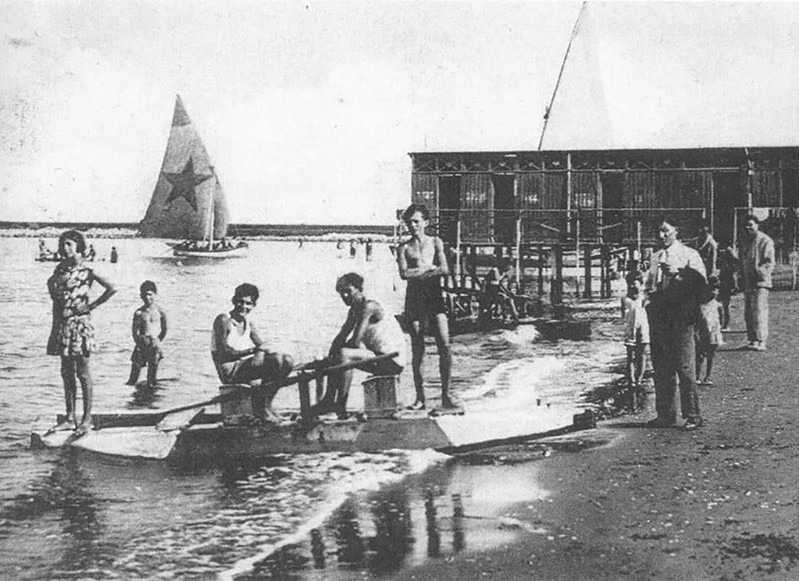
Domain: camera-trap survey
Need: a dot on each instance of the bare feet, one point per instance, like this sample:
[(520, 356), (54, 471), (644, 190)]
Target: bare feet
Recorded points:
[(84, 428), (65, 426), (448, 403)]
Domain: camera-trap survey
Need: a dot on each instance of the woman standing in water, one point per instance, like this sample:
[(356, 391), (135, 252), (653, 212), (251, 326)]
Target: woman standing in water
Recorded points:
[(72, 334)]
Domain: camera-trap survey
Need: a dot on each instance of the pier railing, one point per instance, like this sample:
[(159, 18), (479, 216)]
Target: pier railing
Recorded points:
[(623, 226)]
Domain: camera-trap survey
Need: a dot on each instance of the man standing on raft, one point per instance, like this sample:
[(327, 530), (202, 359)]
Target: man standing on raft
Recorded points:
[(422, 262)]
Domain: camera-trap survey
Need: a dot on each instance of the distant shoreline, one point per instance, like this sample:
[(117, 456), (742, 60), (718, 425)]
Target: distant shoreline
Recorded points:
[(250, 231)]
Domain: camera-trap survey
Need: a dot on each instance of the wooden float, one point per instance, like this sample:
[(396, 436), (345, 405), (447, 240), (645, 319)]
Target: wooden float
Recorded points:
[(198, 434)]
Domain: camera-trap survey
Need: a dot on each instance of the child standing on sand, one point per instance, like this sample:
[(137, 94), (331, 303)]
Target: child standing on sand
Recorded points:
[(636, 329), (149, 329), (708, 331), (728, 280)]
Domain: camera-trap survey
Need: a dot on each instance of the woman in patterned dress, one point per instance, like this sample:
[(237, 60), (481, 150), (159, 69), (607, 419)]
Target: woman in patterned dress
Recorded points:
[(72, 334)]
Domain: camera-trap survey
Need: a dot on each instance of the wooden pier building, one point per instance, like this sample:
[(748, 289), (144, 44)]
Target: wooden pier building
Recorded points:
[(538, 206)]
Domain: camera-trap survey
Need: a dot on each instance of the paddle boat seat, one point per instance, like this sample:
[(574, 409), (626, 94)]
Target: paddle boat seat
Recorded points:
[(380, 396), (235, 406)]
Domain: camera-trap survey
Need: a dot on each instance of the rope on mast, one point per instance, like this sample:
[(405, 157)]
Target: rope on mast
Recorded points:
[(560, 74)]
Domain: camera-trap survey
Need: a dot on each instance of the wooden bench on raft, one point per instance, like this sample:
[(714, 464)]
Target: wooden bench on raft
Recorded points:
[(380, 398)]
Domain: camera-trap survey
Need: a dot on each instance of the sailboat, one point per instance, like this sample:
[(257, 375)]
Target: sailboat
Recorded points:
[(188, 203)]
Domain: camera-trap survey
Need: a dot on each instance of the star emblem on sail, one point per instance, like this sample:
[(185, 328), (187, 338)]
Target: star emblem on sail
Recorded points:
[(187, 200), (183, 184)]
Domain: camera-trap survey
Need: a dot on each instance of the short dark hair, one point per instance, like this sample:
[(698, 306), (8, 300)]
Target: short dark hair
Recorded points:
[(668, 220), (634, 276), (412, 209), (246, 290), (146, 286), (351, 278), (753, 218), (76, 237), (705, 224)]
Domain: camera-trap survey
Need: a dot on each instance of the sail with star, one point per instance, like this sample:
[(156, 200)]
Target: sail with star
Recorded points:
[(188, 202)]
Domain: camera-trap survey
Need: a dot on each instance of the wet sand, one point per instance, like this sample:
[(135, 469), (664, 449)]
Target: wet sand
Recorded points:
[(716, 503)]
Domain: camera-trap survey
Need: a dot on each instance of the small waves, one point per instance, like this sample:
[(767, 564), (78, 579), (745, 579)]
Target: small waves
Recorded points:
[(260, 512)]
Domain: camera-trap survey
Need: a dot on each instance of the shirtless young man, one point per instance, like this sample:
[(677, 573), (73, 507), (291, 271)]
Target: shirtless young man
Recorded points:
[(148, 329), (240, 355), (368, 331), (422, 262)]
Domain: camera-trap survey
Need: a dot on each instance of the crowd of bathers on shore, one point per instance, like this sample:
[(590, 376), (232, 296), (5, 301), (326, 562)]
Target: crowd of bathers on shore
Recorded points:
[(671, 309)]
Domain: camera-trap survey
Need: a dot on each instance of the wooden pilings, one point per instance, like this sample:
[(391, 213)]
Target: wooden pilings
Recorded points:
[(559, 270)]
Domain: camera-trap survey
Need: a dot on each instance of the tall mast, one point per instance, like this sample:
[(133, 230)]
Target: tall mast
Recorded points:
[(548, 111), (211, 202)]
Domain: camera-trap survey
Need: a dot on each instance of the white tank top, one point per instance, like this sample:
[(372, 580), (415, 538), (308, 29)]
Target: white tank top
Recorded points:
[(236, 340)]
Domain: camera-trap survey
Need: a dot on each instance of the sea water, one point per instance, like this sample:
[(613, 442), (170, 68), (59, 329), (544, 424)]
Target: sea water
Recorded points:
[(67, 515)]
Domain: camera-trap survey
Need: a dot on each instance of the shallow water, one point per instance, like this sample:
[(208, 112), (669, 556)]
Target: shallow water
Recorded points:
[(70, 516)]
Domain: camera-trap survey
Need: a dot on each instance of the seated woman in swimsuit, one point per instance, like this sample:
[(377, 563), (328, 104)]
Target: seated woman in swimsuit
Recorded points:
[(368, 331), (240, 355)]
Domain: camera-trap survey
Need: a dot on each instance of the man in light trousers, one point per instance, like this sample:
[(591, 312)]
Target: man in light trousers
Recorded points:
[(757, 264)]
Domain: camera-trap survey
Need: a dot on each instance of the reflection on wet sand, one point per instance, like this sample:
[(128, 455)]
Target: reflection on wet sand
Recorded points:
[(144, 397), (70, 539), (384, 531)]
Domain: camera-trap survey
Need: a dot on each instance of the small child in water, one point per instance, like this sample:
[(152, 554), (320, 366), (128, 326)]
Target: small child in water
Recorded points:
[(636, 329), (149, 329), (708, 331)]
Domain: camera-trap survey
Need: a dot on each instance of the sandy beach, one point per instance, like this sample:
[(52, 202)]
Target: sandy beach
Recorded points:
[(629, 502)]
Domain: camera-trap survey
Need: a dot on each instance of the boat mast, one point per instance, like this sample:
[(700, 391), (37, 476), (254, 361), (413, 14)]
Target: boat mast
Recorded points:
[(560, 75), (210, 222)]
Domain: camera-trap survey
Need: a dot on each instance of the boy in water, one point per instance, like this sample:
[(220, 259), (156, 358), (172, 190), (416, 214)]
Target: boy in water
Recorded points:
[(369, 331), (149, 329), (422, 262)]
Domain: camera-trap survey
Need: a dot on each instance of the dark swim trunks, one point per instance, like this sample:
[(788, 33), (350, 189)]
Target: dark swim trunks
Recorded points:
[(424, 298)]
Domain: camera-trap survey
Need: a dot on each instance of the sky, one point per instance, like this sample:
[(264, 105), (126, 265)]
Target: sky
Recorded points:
[(309, 109)]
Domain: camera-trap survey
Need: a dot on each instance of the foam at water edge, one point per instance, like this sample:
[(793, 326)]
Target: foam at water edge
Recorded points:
[(368, 478), (507, 377)]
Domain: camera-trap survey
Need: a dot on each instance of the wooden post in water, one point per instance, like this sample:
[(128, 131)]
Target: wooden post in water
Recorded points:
[(458, 278), (541, 270), (604, 284), (305, 400), (556, 290), (519, 248), (587, 267), (577, 255)]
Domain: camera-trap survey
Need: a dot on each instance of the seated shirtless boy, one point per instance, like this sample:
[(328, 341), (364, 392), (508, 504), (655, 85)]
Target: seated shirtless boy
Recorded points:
[(149, 329), (367, 332)]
